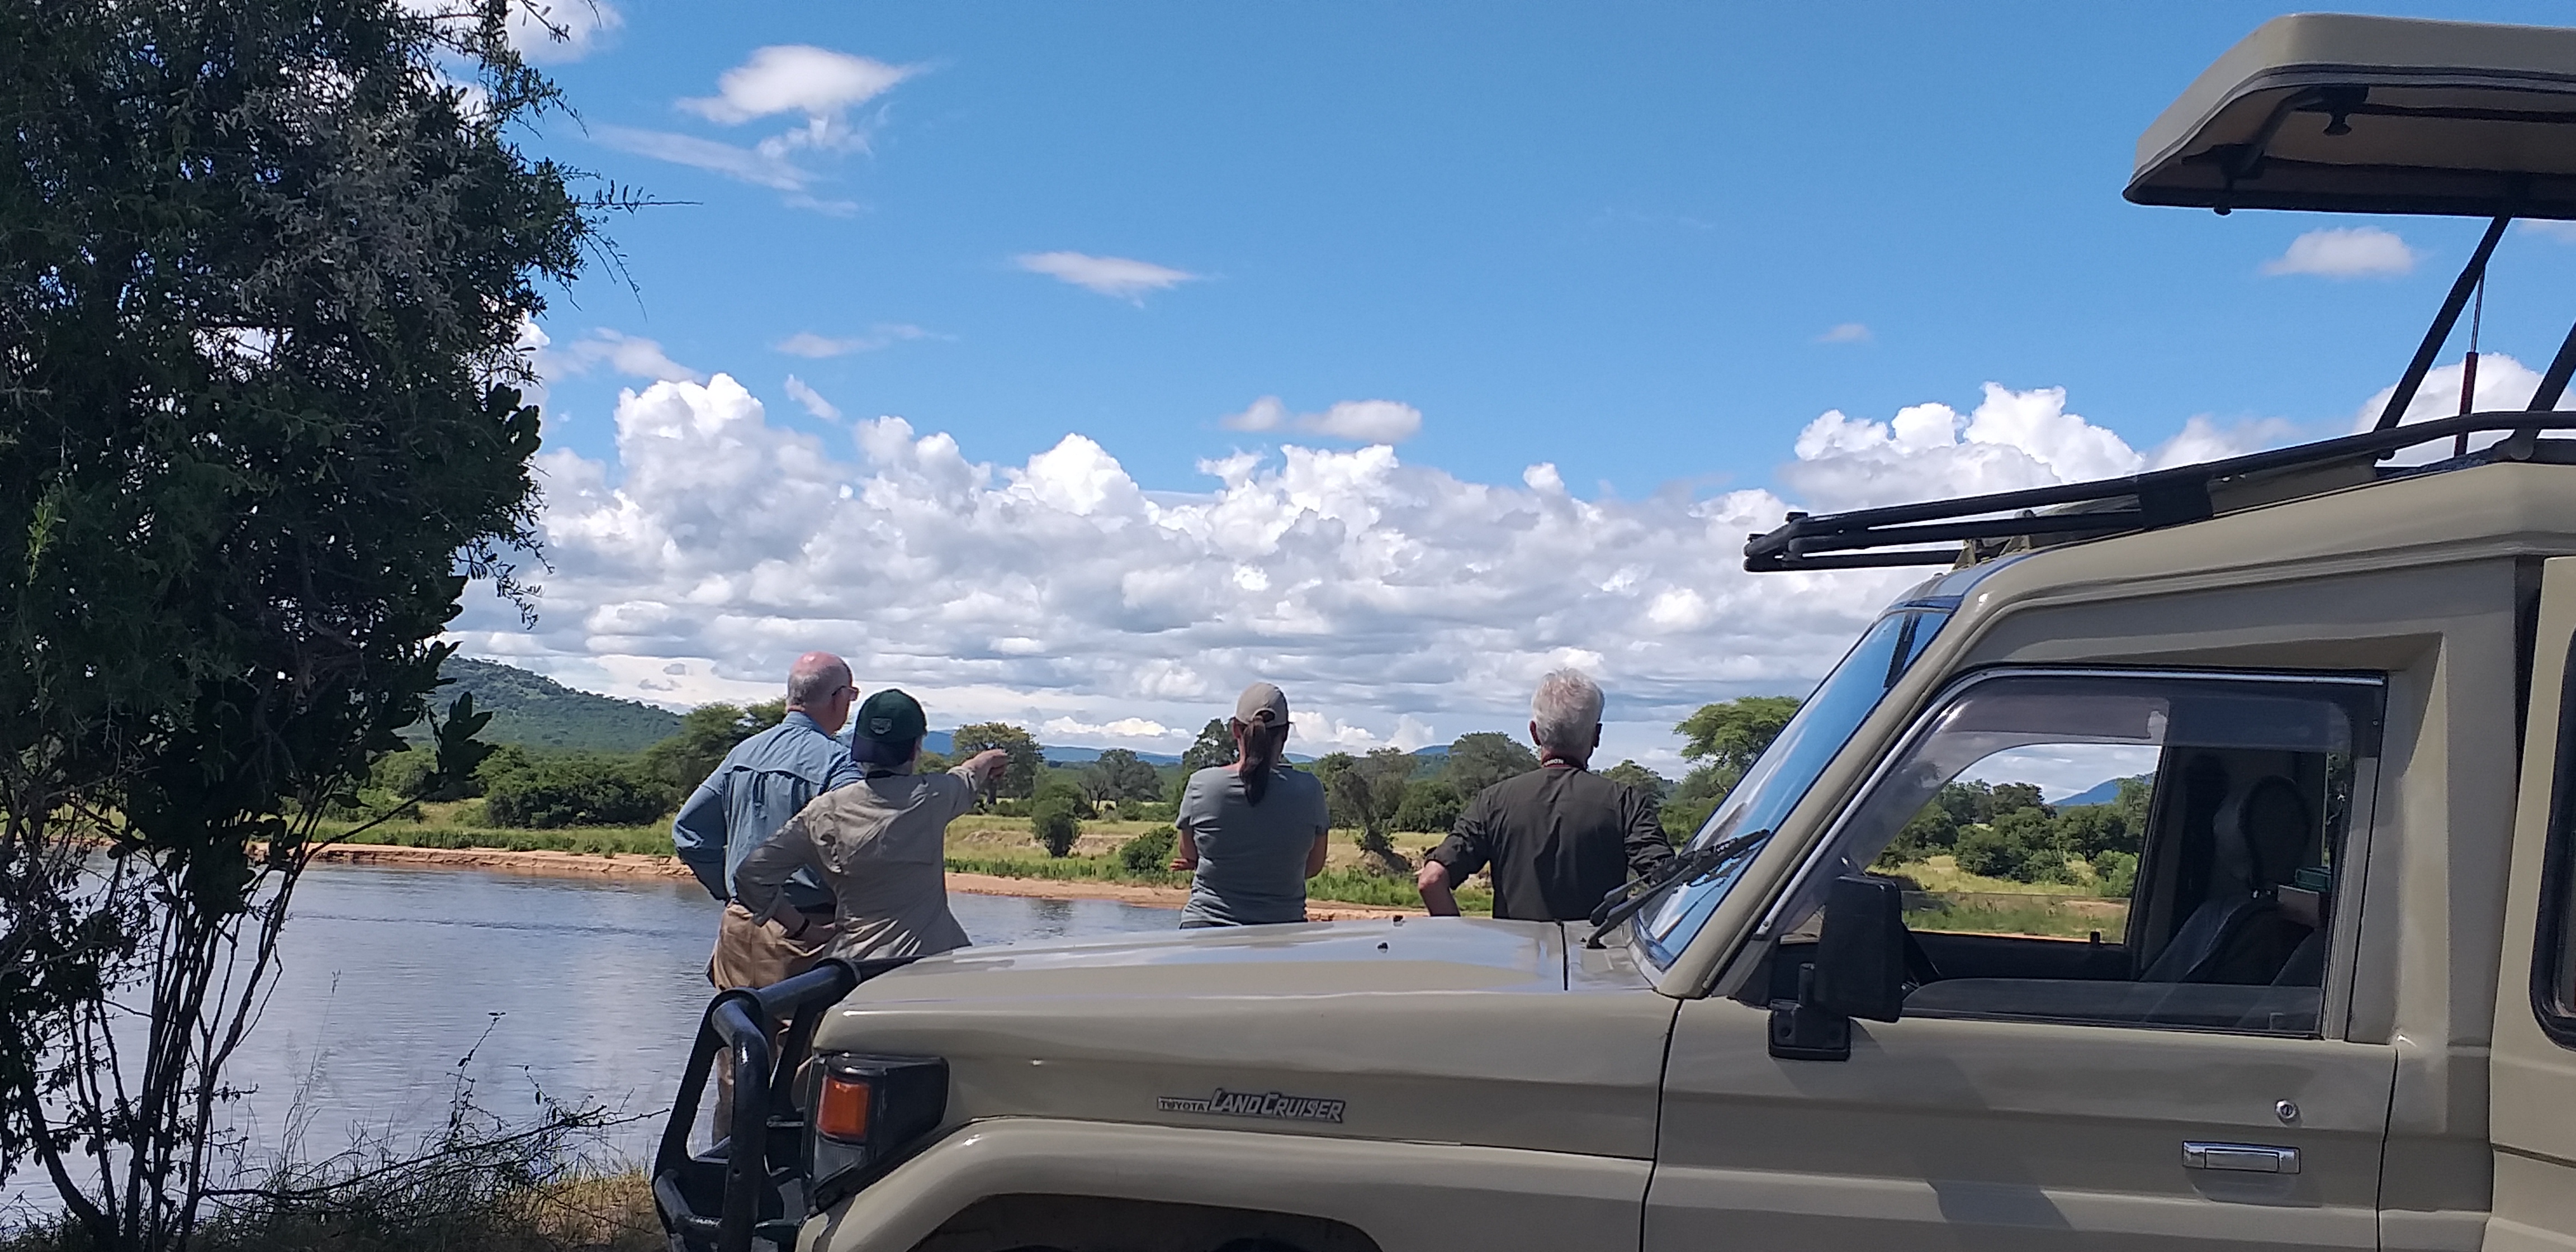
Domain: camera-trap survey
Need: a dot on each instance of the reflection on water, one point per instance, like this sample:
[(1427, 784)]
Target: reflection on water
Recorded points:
[(395, 981)]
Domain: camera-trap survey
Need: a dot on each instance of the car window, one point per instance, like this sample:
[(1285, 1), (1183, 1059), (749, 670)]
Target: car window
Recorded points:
[(2120, 849), (1780, 778)]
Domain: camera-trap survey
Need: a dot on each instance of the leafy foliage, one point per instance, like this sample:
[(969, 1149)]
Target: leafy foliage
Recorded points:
[(1056, 823), (1725, 739), (1020, 771), (1149, 852), (2004, 831), (1429, 805), (547, 793), (1121, 775), (1365, 793), (1729, 736), (706, 734), (1652, 785), (1477, 761), (1213, 747), (260, 302)]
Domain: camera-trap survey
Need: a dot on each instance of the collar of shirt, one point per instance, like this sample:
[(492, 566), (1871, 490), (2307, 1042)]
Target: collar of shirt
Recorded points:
[(798, 719)]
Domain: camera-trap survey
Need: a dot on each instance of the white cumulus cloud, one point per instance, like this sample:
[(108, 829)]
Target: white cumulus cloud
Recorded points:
[(1397, 603), (1118, 276), (1847, 332), (1363, 421), (2344, 252), (797, 78)]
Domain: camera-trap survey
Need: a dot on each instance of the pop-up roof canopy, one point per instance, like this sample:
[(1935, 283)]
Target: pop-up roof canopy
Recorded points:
[(2348, 114)]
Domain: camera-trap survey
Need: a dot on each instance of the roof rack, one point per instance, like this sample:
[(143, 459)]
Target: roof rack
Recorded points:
[(1868, 538)]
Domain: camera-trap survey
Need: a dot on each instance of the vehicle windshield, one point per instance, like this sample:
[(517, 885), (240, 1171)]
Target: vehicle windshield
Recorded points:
[(1781, 777)]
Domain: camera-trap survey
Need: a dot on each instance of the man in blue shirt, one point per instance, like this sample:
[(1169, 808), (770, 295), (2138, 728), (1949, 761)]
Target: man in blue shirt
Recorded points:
[(765, 780)]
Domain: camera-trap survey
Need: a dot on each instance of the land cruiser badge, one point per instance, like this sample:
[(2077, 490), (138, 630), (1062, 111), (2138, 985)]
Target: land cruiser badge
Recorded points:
[(1271, 1104)]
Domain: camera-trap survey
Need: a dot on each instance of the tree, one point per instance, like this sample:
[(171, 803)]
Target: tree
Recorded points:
[(267, 271), (1056, 822), (1122, 775), (1363, 793), (551, 792), (1430, 805), (1652, 785), (1477, 761), (1214, 746), (1730, 735), (707, 733), (1020, 771)]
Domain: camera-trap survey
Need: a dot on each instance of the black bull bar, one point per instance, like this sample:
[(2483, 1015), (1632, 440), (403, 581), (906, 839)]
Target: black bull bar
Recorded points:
[(749, 1184)]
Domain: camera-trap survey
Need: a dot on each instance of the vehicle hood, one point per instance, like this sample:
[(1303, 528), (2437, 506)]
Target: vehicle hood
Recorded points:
[(1316, 958), (1461, 1030)]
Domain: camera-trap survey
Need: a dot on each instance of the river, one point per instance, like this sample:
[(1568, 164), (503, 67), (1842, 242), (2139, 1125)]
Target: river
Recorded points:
[(397, 983)]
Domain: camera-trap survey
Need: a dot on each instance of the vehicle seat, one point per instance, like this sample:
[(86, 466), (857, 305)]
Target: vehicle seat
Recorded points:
[(2237, 935)]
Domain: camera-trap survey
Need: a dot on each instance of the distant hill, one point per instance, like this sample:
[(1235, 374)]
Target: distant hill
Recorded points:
[(535, 711), (2103, 794)]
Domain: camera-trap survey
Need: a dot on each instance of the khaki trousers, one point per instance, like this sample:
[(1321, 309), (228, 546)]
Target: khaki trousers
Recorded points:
[(751, 954)]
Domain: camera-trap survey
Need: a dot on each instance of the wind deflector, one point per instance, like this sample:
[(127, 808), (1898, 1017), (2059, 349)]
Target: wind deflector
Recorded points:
[(2345, 114)]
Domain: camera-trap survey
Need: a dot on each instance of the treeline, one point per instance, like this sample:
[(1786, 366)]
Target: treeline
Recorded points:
[(1376, 793), (2004, 831)]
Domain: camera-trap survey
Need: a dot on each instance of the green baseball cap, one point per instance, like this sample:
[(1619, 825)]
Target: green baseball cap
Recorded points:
[(891, 723)]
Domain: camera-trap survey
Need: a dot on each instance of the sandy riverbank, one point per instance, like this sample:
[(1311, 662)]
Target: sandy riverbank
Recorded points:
[(632, 865)]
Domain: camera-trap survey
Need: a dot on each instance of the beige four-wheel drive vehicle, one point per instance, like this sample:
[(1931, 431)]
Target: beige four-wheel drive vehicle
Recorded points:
[(2335, 1010)]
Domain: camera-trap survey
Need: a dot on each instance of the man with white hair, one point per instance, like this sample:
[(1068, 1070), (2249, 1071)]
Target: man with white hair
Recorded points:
[(764, 781), (1559, 837)]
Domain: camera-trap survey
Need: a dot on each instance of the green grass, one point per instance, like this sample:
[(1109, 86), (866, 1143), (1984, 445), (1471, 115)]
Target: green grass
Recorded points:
[(2017, 913), (650, 840)]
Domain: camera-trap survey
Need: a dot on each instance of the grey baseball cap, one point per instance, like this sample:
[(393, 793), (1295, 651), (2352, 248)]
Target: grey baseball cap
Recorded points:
[(1262, 704)]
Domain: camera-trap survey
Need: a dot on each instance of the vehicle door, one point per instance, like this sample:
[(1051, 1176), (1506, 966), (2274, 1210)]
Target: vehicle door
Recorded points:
[(2532, 1081), (2129, 978)]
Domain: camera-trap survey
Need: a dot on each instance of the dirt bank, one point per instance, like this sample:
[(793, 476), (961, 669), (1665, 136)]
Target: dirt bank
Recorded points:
[(633, 865)]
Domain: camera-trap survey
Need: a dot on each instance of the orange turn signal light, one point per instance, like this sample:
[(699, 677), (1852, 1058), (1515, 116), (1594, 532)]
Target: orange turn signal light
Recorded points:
[(842, 1112)]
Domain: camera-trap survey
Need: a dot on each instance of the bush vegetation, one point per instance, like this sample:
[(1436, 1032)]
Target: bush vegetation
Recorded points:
[(2004, 831)]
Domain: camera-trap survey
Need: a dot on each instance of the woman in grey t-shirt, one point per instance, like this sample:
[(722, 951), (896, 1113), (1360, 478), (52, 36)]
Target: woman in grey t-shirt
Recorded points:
[(1253, 831)]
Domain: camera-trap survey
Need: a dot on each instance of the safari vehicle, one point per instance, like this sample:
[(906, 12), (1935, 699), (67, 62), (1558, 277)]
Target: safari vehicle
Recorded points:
[(2336, 1011)]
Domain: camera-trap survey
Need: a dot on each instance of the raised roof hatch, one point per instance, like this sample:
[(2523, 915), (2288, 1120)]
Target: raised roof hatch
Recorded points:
[(2348, 114)]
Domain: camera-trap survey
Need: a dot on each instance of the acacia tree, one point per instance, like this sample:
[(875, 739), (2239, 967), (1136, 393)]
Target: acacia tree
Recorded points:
[(1023, 760), (263, 268)]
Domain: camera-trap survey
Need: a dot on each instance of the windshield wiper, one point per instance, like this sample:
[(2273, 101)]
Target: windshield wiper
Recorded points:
[(1630, 898)]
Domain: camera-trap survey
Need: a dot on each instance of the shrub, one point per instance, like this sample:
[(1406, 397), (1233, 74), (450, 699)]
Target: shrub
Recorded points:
[(1150, 811), (2115, 874), (2021, 844), (1054, 822), (574, 791), (1429, 805), (1149, 852), (1065, 794)]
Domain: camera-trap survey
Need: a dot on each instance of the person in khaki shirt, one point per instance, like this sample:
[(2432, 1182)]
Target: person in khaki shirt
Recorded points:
[(877, 846)]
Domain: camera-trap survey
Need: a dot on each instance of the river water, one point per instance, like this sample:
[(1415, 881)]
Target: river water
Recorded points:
[(397, 984)]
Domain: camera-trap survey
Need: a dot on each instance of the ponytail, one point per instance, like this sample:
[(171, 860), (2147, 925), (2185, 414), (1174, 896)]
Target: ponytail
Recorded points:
[(1262, 748)]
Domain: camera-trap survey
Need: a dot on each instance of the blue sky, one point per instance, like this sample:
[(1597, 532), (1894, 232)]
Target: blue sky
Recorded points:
[(1616, 239)]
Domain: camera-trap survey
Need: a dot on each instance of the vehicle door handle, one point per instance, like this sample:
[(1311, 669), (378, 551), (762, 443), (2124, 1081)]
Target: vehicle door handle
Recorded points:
[(2249, 1158)]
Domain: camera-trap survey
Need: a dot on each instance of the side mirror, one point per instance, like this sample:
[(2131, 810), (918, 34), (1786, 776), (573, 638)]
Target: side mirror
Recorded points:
[(1859, 971), (1860, 957)]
